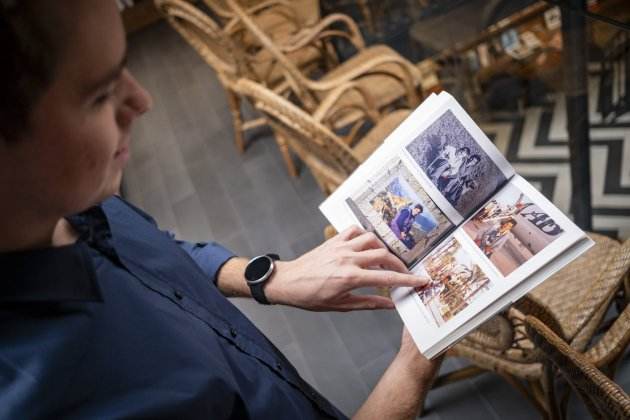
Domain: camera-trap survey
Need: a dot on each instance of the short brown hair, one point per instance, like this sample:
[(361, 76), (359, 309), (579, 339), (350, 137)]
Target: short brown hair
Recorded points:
[(30, 58)]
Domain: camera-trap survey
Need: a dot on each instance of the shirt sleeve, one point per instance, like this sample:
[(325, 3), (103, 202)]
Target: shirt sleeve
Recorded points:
[(209, 256)]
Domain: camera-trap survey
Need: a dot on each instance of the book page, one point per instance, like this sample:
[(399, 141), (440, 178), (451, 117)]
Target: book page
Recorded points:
[(516, 234), (455, 164)]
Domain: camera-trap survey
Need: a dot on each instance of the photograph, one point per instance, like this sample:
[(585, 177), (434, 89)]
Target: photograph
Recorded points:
[(455, 281), (397, 209), (455, 163), (511, 229)]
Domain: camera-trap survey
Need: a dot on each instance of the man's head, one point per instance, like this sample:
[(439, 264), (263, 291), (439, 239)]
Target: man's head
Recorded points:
[(507, 225), (417, 209), (463, 151), (473, 160), (68, 103)]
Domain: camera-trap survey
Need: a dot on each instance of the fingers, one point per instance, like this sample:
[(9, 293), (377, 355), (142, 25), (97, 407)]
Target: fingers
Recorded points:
[(385, 278), (380, 258), (351, 232), (364, 302), (366, 240)]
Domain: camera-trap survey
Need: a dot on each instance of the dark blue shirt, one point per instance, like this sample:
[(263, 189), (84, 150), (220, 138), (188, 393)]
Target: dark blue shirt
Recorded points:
[(128, 323)]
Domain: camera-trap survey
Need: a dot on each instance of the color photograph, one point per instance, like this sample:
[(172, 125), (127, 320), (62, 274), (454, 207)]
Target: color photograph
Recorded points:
[(511, 229), (398, 210), (455, 163), (455, 281)]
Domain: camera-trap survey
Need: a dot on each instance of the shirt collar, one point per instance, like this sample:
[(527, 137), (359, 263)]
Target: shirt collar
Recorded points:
[(51, 274)]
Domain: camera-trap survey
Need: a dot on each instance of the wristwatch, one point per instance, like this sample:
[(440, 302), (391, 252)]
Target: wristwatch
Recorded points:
[(257, 272)]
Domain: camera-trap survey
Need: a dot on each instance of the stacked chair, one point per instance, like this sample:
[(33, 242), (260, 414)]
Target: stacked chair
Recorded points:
[(573, 304), (386, 74), (292, 54), (231, 60), (329, 156)]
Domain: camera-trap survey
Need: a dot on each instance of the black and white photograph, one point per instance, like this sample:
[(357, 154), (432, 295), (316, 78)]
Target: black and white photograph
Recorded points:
[(455, 163), (399, 211)]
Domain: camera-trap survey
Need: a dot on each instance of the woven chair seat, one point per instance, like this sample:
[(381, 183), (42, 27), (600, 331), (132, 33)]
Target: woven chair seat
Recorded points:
[(384, 88), (374, 138), (579, 294)]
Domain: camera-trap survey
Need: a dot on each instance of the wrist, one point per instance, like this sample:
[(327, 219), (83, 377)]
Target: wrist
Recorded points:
[(274, 288), (416, 366)]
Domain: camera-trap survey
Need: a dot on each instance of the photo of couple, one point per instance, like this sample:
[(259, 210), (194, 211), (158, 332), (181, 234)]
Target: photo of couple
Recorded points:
[(511, 229), (455, 282), (399, 211), (451, 158)]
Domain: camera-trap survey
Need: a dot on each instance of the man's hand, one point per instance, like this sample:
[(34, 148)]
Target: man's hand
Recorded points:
[(324, 278)]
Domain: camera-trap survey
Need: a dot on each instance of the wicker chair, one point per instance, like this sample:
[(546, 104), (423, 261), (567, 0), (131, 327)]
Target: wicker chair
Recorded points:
[(228, 60), (603, 398), (388, 76), (330, 157), (573, 303), (277, 15)]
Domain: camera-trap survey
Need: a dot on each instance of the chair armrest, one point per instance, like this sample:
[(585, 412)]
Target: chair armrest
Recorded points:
[(321, 31), (280, 7), (368, 105), (614, 341)]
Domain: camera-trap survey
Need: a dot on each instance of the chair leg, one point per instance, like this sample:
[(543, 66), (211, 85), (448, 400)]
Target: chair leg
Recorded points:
[(234, 102), (286, 156), (549, 392), (527, 393), (457, 375)]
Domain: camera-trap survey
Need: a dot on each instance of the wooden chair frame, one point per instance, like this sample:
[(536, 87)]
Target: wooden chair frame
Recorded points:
[(308, 90), (205, 30)]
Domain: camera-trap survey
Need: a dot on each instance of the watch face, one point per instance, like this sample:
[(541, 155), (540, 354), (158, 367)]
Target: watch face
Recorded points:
[(258, 269)]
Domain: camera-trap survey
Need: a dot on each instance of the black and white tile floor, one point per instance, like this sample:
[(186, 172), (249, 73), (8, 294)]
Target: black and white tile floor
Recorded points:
[(536, 144)]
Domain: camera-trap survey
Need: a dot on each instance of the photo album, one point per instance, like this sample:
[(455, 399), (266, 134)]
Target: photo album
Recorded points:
[(443, 199)]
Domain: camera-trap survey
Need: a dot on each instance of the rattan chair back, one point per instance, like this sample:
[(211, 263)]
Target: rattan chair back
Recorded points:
[(604, 398), (328, 157), (290, 71), (206, 37)]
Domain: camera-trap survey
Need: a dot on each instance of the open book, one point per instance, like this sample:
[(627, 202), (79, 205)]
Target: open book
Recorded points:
[(443, 199)]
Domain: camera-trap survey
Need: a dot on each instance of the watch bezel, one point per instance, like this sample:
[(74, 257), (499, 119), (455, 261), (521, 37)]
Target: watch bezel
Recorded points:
[(266, 275)]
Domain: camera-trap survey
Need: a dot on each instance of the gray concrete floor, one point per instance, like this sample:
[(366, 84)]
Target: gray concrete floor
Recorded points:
[(186, 172)]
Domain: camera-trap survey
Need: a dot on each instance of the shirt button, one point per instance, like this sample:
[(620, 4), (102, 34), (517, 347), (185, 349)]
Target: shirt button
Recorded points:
[(232, 332), (278, 366), (178, 295)]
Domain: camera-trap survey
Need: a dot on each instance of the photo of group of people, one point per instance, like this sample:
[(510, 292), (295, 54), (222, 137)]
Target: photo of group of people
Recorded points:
[(399, 211), (511, 229), (456, 281), (455, 163)]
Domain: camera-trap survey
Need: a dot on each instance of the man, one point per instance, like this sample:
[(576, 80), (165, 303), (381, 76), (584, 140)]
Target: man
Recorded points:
[(102, 315), (403, 222), (493, 238), (444, 169), (463, 181)]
